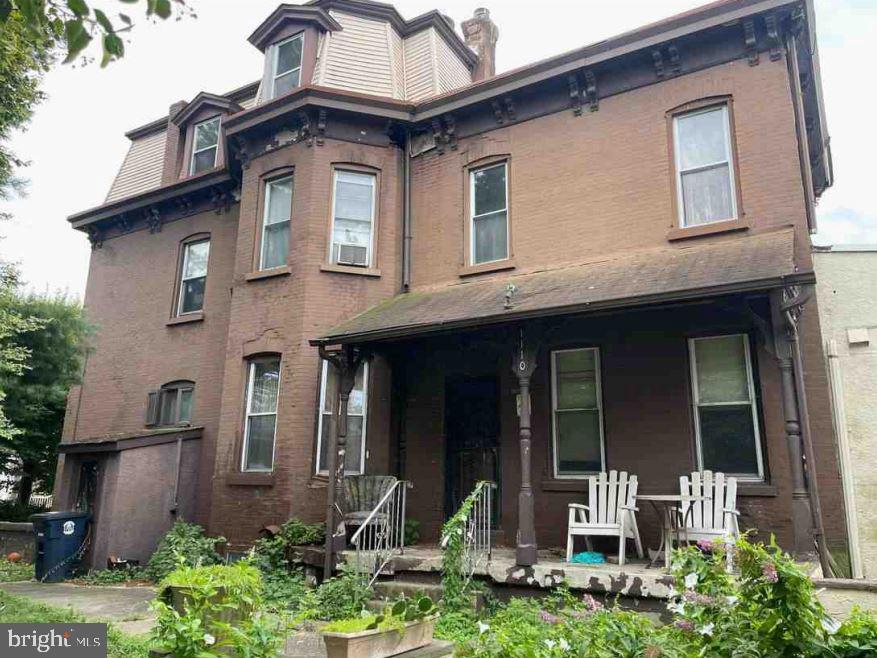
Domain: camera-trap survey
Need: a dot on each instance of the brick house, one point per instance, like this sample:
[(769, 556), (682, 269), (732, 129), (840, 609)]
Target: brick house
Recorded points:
[(597, 261)]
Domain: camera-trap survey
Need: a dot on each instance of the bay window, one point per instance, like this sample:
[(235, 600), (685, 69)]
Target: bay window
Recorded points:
[(353, 214), (276, 220), (263, 389)]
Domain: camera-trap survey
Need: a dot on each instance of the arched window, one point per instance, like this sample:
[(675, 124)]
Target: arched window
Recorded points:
[(171, 405)]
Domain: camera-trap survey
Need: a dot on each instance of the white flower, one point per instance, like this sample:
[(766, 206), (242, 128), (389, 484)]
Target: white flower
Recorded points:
[(672, 594), (830, 625), (691, 580), (564, 644), (550, 643), (482, 627), (209, 639), (706, 630), (678, 608), (732, 600)]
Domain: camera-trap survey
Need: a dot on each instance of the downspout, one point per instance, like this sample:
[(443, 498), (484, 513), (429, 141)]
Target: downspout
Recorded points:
[(175, 508), (406, 212), (835, 383)]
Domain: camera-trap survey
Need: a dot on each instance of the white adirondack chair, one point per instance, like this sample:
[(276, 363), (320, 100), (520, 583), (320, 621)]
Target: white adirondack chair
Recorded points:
[(713, 517), (610, 512)]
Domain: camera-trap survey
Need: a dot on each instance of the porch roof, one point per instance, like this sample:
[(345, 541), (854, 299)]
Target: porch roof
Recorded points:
[(755, 262)]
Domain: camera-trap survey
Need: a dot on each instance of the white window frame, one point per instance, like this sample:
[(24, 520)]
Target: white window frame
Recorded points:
[(371, 238), (599, 388), (251, 372), (274, 74), (267, 206), (196, 151), (472, 216), (696, 404), (324, 380), (183, 279), (732, 174)]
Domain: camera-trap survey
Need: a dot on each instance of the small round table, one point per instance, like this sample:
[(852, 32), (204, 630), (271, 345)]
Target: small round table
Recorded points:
[(668, 507)]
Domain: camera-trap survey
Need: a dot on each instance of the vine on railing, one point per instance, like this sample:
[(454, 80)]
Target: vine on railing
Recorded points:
[(454, 580)]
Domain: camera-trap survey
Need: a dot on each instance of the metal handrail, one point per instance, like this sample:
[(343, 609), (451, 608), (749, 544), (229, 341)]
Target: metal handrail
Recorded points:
[(382, 535), (477, 546)]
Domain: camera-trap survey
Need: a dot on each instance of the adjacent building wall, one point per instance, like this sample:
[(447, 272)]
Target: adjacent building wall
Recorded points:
[(847, 289)]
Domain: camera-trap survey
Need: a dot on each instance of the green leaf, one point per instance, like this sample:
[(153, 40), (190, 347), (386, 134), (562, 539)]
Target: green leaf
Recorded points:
[(103, 21), (125, 18), (77, 38), (78, 7), (161, 8)]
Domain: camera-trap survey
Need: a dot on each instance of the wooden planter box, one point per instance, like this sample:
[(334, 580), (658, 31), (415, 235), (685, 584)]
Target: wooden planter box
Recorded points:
[(378, 643)]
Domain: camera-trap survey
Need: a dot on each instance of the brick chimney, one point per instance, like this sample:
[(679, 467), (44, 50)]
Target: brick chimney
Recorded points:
[(481, 34)]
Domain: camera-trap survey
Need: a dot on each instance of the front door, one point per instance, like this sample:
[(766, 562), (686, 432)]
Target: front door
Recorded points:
[(472, 434)]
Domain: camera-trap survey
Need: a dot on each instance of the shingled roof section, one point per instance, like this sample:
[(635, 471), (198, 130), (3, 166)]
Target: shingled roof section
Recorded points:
[(754, 262)]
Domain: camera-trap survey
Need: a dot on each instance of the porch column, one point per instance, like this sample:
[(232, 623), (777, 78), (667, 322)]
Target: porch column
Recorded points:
[(786, 307), (345, 361), (523, 365)]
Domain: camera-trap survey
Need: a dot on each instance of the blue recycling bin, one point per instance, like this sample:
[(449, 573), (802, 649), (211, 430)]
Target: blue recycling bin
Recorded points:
[(60, 541)]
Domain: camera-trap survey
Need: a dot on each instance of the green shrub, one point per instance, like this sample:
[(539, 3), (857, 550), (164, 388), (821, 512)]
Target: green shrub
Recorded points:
[(114, 576), (342, 597), (11, 572), (284, 584), (183, 545), (394, 616), (12, 510), (283, 590)]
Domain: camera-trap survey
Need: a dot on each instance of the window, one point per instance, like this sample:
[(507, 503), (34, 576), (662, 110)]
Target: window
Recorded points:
[(205, 144), (578, 412), (353, 218), (704, 170), (263, 387), (170, 405), (287, 65), (357, 408), (489, 230), (275, 223), (193, 276), (726, 421)]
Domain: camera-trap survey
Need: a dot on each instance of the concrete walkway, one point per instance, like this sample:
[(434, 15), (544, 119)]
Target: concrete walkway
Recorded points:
[(126, 607)]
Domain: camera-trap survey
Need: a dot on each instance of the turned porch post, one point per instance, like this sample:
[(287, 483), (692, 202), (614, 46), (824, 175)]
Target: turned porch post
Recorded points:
[(345, 362), (523, 365), (786, 307)]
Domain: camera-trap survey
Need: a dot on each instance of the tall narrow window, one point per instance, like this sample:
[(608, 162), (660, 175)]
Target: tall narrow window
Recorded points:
[(263, 388), (578, 412), (193, 276), (488, 201), (704, 168), (724, 406), (275, 223), (353, 218), (287, 65), (357, 409), (205, 145)]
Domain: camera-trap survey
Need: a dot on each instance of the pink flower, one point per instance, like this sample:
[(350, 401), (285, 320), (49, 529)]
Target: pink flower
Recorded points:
[(548, 618), (684, 625), (591, 604), (769, 571), (699, 599)]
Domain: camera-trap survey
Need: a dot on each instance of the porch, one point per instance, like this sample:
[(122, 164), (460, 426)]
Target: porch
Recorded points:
[(535, 381)]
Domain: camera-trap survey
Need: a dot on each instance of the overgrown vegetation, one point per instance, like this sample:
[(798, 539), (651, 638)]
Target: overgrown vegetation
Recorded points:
[(17, 610), (343, 597), (393, 617), (12, 572), (283, 582), (456, 587), (119, 576), (186, 545)]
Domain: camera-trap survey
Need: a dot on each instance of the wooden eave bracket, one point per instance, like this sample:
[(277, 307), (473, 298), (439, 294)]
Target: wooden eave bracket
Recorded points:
[(580, 94)]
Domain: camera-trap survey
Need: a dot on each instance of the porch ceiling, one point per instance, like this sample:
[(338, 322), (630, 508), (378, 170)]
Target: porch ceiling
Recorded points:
[(755, 262)]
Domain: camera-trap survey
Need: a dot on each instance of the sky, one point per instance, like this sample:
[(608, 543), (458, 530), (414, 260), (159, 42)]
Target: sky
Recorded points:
[(76, 141)]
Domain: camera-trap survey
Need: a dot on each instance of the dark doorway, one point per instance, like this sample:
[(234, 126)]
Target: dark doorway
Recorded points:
[(472, 431), (87, 489)]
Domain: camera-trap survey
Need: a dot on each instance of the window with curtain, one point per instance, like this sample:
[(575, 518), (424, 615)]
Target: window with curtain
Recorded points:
[(263, 388), (277, 216), (725, 408), (353, 218), (357, 411), (704, 167), (577, 412), (488, 203), (287, 65), (193, 276), (205, 145)]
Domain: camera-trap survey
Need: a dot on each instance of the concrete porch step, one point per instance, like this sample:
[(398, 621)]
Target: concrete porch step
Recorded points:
[(389, 590)]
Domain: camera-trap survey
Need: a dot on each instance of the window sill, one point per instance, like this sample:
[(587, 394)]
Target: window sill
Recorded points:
[(186, 319), (569, 486), (727, 226), (285, 270), (484, 268), (757, 490), (250, 479), (350, 269)]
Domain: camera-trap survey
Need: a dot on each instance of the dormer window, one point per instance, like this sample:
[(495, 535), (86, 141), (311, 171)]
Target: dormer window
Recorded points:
[(205, 146), (287, 65)]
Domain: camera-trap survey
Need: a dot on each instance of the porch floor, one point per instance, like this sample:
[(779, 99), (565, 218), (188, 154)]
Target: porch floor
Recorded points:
[(635, 579)]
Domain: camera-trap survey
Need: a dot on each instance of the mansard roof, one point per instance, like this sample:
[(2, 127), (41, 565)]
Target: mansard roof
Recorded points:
[(202, 100), (263, 35)]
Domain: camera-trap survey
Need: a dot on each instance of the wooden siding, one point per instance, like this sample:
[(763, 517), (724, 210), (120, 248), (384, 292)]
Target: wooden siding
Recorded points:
[(397, 61), (420, 79), (452, 73), (141, 169), (358, 57)]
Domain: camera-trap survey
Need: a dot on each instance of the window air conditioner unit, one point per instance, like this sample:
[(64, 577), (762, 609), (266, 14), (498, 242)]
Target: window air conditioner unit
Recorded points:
[(351, 254)]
